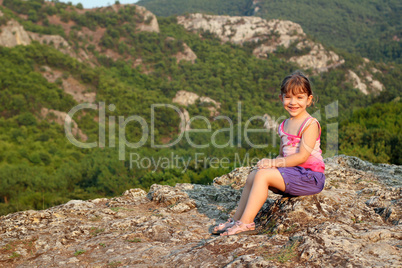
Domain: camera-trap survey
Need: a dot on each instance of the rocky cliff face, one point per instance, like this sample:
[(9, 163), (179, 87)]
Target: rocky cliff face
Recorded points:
[(365, 81), (355, 221), (151, 23), (70, 85), (270, 34), (187, 54), (60, 118), (13, 34), (187, 98)]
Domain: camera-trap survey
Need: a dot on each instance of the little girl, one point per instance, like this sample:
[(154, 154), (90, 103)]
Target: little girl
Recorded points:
[(299, 168)]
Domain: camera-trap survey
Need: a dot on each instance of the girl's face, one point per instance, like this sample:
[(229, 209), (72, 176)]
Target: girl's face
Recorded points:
[(297, 104)]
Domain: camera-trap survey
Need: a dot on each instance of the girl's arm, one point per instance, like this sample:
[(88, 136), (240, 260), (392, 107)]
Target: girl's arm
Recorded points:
[(307, 143)]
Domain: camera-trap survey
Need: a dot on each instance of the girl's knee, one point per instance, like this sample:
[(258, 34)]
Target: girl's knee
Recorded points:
[(264, 174), (261, 174), (267, 177)]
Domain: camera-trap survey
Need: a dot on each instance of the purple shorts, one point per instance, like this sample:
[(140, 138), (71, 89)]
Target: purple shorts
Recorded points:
[(300, 181)]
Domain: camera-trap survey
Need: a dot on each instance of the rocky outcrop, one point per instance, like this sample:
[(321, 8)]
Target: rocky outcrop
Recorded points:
[(366, 84), (187, 54), (187, 98), (59, 118), (184, 117), (235, 179), (150, 23), (376, 85), (255, 7), (271, 34), (173, 197), (357, 83), (363, 78), (129, 197), (58, 42), (317, 58), (13, 34), (240, 30), (355, 221), (70, 85)]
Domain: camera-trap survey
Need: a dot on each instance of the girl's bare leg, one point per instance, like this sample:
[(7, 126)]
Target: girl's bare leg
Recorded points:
[(258, 194), (244, 195)]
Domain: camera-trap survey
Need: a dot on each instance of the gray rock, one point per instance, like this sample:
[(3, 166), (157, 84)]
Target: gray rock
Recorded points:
[(236, 179), (354, 222), (129, 197)]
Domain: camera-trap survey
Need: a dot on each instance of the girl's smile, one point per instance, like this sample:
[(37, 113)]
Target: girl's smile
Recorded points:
[(297, 104)]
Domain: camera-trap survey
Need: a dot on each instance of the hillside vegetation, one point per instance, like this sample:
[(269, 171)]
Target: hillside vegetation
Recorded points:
[(108, 54), (370, 28)]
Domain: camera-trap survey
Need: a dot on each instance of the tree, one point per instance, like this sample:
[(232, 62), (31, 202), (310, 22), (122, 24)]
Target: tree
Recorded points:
[(79, 6), (32, 15)]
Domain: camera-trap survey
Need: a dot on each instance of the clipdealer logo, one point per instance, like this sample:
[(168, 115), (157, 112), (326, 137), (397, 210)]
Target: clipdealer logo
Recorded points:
[(148, 132)]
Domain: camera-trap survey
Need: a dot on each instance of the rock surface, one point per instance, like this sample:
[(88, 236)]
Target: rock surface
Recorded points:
[(187, 98), (60, 118), (13, 34), (187, 54), (271, 34), (365, 82), (70, 85), (150, 23), (318, 58), (354, 222), (357, 83)]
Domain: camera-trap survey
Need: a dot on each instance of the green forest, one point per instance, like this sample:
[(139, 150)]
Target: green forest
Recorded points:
[(40, 168), (371, 29)]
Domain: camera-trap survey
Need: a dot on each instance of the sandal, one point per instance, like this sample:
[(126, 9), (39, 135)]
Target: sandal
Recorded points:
[(222, 227), (240, 228)]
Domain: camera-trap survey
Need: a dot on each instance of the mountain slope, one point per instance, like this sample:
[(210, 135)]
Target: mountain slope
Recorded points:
[(179, 7), (373, 29), (55, 56)]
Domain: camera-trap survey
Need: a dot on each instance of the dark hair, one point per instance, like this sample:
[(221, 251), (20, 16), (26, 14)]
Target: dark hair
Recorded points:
[(297, 83)]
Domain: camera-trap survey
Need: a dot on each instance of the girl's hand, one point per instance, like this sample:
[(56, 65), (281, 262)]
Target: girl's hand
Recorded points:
[(265, 163)]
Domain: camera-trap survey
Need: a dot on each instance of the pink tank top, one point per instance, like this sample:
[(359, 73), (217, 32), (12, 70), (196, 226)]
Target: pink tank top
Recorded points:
[(291, 145)]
